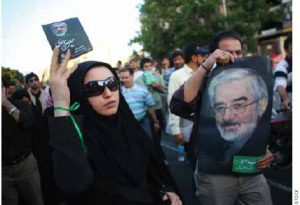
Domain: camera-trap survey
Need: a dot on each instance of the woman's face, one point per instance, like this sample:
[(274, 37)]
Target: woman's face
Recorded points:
[(107, 103)]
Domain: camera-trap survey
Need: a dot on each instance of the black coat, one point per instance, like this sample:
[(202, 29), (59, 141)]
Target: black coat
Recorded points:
[(120, 165)]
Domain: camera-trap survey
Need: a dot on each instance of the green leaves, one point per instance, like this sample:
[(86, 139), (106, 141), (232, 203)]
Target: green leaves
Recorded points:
[(170, 24), (9, 75)]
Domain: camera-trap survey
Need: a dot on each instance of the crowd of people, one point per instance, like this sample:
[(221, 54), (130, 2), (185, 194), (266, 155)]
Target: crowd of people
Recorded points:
[(93, 134)]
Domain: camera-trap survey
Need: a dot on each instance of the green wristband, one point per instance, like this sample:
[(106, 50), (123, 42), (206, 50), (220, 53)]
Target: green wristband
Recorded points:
[(74, 107)]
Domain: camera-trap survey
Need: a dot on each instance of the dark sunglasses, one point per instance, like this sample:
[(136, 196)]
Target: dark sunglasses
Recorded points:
[(97, 87)]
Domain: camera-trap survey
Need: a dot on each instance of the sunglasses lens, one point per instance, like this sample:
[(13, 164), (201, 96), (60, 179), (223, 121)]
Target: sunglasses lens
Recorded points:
[(113, 85), (95, 88)]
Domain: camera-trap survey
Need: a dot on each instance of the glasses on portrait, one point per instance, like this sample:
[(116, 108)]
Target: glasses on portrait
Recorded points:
[(97, 87), (33, 79), (236, 108)]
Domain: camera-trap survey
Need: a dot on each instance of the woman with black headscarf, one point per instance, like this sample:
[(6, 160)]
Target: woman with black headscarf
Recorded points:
[(102, 156)]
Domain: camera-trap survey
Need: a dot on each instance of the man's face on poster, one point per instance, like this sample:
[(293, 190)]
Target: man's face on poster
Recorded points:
[(59, 28), (236, 110)]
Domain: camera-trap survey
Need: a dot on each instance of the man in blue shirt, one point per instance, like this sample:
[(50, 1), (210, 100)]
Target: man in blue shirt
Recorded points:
[(139, 100)]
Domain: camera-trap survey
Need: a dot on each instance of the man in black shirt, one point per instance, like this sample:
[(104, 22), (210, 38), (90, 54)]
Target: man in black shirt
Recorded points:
[(20, 174)]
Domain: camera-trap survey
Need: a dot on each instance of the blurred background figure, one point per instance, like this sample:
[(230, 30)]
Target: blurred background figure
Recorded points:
[(283, 78)]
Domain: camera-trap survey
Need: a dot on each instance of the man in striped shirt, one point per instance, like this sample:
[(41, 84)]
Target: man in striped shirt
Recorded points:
[(139, 100), (283, 77)]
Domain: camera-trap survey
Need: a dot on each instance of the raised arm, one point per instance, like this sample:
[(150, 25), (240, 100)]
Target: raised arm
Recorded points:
[(72, 170), (194, 83), (58, 82), (20, 112)]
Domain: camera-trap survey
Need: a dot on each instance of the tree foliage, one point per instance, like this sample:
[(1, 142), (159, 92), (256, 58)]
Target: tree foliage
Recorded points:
[(9, 75), (170, 24)]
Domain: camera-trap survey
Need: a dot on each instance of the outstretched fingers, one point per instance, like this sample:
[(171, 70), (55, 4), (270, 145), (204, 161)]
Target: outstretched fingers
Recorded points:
[(54, 60), (59, 71), (63, 65), (68, 72)]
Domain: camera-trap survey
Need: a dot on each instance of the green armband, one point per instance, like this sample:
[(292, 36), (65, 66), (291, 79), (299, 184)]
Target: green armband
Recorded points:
[(74, 107)]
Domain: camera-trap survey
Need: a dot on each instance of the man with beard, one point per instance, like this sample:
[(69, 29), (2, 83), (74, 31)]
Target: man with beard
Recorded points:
[(59, 28), (177, 59), (40, 138), (181, 128), (216, 181), (237, 113), (36, 93)]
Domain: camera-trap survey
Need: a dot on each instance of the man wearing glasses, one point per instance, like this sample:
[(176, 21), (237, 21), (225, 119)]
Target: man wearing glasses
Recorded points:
[(237, 113), (37, 94), (220, 143)]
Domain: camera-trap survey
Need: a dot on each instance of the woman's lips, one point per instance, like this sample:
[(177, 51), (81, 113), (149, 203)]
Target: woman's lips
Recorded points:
[(111, 104)]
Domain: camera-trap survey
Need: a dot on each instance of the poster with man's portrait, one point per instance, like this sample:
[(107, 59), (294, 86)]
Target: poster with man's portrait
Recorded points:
[(68, 35), (234, 123)]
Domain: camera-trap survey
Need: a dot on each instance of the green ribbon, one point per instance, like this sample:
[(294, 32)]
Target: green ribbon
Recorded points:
[(74, 107)]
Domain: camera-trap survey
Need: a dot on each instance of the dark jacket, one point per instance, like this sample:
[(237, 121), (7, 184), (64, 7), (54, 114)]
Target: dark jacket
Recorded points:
[(16, 142), (75, 175), (120, 165)]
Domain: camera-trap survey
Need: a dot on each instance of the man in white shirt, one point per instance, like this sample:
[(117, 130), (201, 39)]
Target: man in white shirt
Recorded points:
[(195, 55)]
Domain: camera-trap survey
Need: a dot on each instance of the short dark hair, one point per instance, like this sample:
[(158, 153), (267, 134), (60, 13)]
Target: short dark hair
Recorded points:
[(177, 53), (144, 61), (287, 42), (127, 69), (219, 36), (193, 49), (29, 76)]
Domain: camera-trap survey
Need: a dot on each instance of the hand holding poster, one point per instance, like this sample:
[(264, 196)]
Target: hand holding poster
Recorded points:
[(68, 35)]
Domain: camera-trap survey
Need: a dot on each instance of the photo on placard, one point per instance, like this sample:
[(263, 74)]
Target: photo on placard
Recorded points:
[(235, 116), (68, 35)]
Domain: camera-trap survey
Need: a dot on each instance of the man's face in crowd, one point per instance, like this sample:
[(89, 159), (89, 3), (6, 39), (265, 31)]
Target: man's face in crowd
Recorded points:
[(201, 58), (11, 89), (147, 66), (34, 83), (178, 62), (235, 122), (133, 64), (127, 79), (232, 46), (165, 63)]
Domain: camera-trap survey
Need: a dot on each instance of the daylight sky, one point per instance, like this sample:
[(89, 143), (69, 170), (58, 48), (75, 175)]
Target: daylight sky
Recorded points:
[(109, 24)]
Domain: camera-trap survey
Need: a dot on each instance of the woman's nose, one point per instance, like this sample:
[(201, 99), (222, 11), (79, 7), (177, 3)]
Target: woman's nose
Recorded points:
[(107, 92)]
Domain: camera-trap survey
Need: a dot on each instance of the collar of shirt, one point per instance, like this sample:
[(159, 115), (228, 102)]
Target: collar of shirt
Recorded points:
[(187, 69)]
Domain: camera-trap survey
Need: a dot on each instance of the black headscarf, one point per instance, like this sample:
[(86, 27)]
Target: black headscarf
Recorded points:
[(118, 148)]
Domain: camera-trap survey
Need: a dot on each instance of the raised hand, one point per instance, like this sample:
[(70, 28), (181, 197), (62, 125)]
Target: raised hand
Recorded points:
[(58, 80), (219, 56)]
